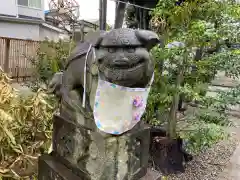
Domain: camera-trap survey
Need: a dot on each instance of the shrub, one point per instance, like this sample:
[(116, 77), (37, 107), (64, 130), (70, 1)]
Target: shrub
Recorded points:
[(201, 136), (51, 57), (25, 129)]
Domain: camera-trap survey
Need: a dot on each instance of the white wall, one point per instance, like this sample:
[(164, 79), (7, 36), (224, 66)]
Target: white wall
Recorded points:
[(51, 34), (9, 7), (19, 31), (33, 12), (28, 31)]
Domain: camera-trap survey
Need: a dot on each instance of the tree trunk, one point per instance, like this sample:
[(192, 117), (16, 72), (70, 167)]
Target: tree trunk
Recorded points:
[(172, 120)]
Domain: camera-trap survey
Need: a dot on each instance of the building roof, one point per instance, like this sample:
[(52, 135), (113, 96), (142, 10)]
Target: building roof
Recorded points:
[(28, 20), (21, 19), (51, 27), (88, 23)]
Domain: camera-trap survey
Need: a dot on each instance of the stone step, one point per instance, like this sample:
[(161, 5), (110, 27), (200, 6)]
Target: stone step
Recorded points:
[(222, 80)]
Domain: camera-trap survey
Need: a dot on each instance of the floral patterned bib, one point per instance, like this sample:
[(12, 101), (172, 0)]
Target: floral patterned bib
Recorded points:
[(118, 109)]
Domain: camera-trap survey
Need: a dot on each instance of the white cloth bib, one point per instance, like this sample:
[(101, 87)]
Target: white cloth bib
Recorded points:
[(118, 109)]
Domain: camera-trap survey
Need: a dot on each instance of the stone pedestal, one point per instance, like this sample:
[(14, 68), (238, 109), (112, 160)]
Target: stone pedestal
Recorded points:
[(51, 169), (93, 155)]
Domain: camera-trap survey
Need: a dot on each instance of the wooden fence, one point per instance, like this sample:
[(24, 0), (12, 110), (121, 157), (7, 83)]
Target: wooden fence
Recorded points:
[(14, 57)]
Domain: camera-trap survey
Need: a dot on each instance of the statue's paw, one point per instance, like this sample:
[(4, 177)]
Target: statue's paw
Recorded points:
[(72, 100), (55, 84)]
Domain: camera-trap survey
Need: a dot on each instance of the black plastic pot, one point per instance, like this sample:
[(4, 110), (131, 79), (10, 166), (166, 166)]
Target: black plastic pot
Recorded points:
[(167, 155)]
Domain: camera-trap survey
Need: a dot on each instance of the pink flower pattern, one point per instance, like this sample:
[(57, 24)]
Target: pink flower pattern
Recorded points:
[(137, 117), (138, 101)]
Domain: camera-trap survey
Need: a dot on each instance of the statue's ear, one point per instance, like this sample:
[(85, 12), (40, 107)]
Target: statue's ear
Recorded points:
[(95, 38), (148, 38), (98, 41)]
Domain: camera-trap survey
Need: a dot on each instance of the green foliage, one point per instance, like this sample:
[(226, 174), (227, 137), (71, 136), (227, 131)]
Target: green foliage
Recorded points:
[(223, 102), (203, 25), (206, 125), (195, 26), (209, 116), (234, 10), (51, 58), (201, 136)]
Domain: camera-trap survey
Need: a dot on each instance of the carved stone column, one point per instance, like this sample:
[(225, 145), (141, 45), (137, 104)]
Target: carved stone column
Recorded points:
[(99, 156)]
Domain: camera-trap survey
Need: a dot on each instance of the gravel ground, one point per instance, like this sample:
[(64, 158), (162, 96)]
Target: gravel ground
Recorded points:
[(208, 165)]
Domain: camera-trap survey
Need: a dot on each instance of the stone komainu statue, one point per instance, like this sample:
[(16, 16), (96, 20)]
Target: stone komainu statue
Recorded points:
[(121, 58)]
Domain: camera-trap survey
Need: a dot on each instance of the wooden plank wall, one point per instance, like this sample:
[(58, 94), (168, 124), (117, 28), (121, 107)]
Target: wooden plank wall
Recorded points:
[(19, 53), (2, 53)]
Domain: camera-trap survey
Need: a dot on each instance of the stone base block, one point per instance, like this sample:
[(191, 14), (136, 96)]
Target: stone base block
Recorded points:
[(51, 169), (152, 175), (95, 155)]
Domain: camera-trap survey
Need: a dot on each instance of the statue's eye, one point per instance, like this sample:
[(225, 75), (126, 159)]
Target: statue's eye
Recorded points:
[(130, 50), (112, 50)]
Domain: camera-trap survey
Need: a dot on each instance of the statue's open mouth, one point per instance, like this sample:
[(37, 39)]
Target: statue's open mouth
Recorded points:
[(125, 66)]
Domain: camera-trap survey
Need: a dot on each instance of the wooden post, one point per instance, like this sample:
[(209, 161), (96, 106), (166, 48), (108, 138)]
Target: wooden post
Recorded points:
[(119, 14), (82, 32), (140, 18), (6, 55), (103, 14), (100, 15)]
